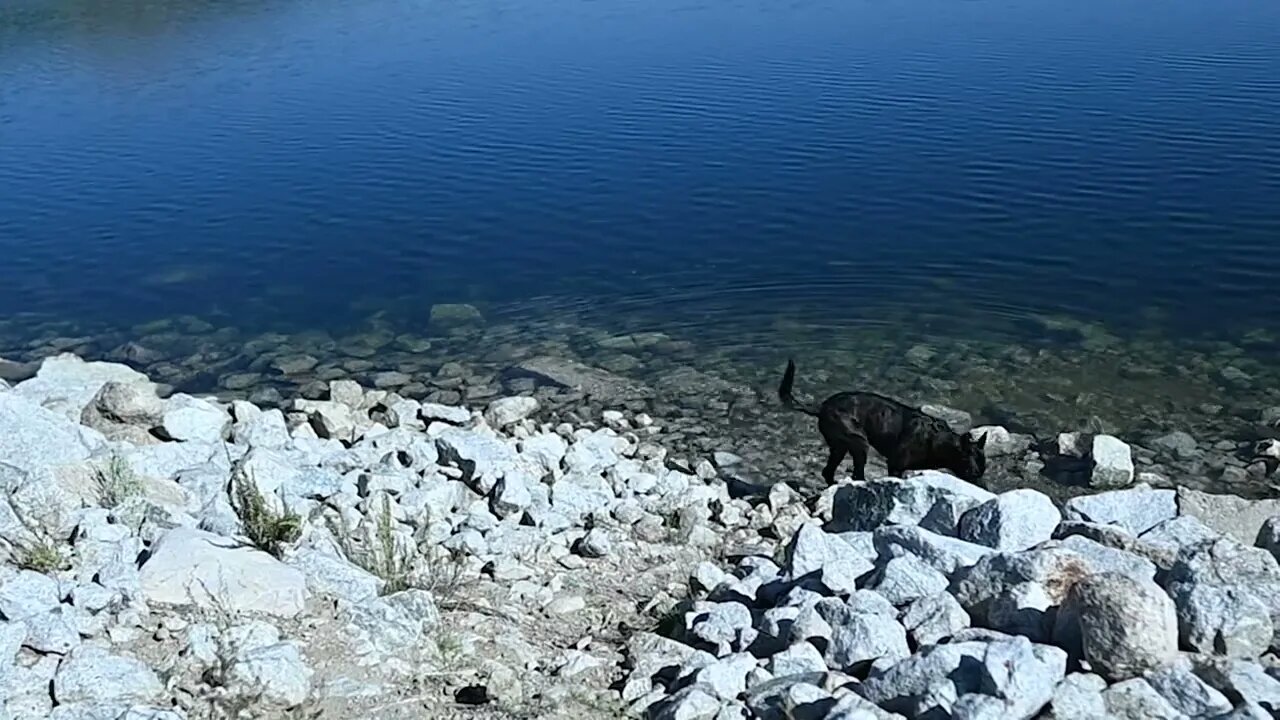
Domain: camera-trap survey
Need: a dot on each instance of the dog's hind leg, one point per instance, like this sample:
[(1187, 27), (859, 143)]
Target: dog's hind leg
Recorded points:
[(834, 458), (858, 449)]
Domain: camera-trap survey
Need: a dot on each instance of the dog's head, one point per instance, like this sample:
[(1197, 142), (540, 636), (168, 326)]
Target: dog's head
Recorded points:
[(971, 462)]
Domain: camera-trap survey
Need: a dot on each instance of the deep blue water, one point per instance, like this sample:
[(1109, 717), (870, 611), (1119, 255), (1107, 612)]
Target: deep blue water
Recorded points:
[(301, 162)]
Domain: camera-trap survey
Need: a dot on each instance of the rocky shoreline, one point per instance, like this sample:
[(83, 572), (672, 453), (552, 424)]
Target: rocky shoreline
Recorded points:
[(357, 552)]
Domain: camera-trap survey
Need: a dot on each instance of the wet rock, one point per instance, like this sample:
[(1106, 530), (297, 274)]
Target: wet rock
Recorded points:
[(598, 384), (1128, 627), (1235, 517), (449, 317), (1135, 509), (295, 364), (1112, 462), (1014, 520), (813, 552), (1177, 444), (930, 620), (933, 500), (192, 567), (509, 410)]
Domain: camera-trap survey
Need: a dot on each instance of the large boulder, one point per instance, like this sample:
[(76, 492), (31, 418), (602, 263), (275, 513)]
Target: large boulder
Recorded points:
[(193, 567), (1242, 579), (1237, 518), (1015, 520), (124, 411), (827, 558), (190, 418), (1127, 626), (34, 438), (66, 384), (933, 500), (1136, 509)]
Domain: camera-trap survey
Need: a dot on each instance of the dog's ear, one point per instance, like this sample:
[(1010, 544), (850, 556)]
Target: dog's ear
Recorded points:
[(981, 443)]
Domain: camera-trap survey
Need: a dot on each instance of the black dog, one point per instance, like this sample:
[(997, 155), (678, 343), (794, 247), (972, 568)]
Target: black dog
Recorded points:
[(906, 437)]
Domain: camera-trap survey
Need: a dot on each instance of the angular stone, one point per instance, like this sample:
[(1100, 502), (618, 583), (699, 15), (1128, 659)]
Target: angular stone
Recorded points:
[(1128, 627), (33, 438), (695, 702), (189, 418), (726, 678), (653, 657), (1223, 620), (1022, 675), (27, 593), (54, 631), (1078, 697), (1136, 700), (907, 578), (273, 676), (800, 657), (509, 410), (93, 675), (1000, 442), (933, 619), (1186, 692), (482, 456), (1235, 517), (932, 500), (813, 552), (1225, 563), (192, 567), (65, 384), (511, 495), (929, 681), (1239, 678), (1112, 462), (1015, 520), (333, 576), (124, 411), (860, 636), (1136, 509), (945, 554), (724, 626), (546, 450), (593, 453), (1176, 533)]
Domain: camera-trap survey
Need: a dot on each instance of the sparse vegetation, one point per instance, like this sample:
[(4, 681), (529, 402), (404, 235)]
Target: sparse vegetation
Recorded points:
[(117, 482), (41, 555), (267, 529)]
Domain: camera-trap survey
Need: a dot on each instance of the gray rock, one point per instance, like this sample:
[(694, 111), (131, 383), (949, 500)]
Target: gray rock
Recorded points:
[(1177, 533), (1227, 564), (1187, 693), (929, 681), (54, 631), (653, 657), (907, 578), (595, 544), (27, 593), (828, 558), (263, 429), (800, 657), (1223, 620), (124, 410), (1027, 609), (1128, 627), (333, 576), (695, 702), (450, 317), (93, 675), (933, 619), (598, 384), (379, 634), (1269, 536), (1135, 509), (1235, 517), (1136, 700), (33, 438), (1177, 444), (272, 676), (727, 626), (1112, 462), (1078, 697), (933, 500), (192, 567), (945, 554), (1247, 680), (1108, 559), (1015, 520), (189, 418), (726, 678), (1022, 675), (509, 410), (859, 638)]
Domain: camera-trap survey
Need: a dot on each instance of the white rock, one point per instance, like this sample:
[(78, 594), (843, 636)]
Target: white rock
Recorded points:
[(54, 631), (594, 452), (65, 384), (333, 576), (1136, 509), (33, 438), (510, 410), (726, 678), (826, 557), (1000, 442), (859, 637), (724, 626), (1015, 520), (275, 675), (331, 419), (800, 657), (931, 499), (27, 593), (1177, 533), (481, 455), (546, 450), (1112, 462), (1078, 697), (511, 495), (192, 567), (93, 675), (1230, 620), (1022, 675), (190, 418), (929, 681), (260, 428), (695, 702), (445, 413), (1187, 693), (1128, 627), (1136, 700)]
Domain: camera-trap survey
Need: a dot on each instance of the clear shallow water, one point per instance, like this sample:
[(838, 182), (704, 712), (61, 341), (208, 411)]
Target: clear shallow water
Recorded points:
[(700, 165)]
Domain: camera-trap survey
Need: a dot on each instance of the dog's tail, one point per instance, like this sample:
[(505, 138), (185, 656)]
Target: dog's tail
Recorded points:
[(784, 391)]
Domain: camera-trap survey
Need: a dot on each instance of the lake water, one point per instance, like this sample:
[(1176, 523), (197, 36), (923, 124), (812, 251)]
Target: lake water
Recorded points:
[(1081, 186)]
